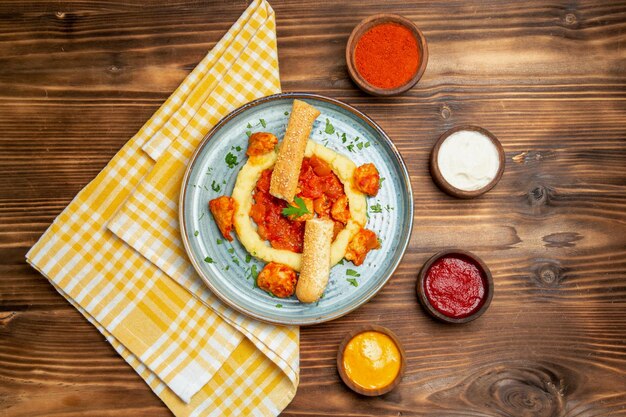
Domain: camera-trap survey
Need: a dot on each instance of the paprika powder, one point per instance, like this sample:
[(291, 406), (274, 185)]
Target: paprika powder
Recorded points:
[(387, 55)]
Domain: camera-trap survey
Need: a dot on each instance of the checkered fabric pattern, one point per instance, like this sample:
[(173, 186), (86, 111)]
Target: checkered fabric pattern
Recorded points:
[(115, 252)]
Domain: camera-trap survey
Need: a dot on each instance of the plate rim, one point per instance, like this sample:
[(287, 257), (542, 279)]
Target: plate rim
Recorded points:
[(183, 193)]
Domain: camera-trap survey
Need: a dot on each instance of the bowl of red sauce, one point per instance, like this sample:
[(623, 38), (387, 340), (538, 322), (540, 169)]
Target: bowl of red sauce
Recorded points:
[(455, 286), (386, 55)]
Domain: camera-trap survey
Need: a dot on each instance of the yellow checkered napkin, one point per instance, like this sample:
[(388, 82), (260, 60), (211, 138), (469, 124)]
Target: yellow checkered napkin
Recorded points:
[(116, 255)]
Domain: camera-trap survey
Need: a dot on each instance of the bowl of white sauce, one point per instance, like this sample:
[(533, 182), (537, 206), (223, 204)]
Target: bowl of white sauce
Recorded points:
[(467, 161)]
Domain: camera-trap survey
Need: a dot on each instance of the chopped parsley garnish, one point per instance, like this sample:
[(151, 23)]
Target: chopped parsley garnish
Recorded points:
[(215, 186), (352, 282), (343, 138), (350, 147), (219, 241), (263, 122), (248, 258), (235, 261), (208, 260), (340, 262), (329, 129), (231, 250), (352, 273), (231, 160), (359, 145), (253, 272), (380, 183), (367, 144), (376, 208), (248, 133), (279, 306), (196, 233), (318, 301), (286, 113), (249, 126), (298, 211)]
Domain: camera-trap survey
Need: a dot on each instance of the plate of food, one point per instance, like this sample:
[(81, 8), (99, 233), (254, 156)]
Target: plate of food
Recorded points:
[(296, 209)]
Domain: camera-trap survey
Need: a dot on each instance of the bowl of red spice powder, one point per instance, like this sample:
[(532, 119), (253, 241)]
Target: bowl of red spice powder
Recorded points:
[(455, 286), (386, 55)]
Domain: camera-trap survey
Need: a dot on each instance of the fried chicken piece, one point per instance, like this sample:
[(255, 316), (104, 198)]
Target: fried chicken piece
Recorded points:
[(278, 279), (360, 245), (339, 211), (321, 205), (223, 211), (260, 143), (367, 179)]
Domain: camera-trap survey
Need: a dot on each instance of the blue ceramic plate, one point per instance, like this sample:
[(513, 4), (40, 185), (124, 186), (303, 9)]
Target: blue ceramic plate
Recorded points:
[(229, 270)]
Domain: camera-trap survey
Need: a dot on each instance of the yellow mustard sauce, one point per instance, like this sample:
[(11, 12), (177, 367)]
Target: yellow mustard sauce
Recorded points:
[(371, 360)]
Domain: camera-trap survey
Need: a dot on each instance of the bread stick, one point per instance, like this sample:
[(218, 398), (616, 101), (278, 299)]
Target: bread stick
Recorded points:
[(315, 269), (286, 172)]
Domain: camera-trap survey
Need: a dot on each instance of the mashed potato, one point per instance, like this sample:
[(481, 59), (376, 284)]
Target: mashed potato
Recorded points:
[(246, 228)]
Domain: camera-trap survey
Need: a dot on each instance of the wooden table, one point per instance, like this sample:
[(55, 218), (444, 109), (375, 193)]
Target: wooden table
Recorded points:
[(78, 79)]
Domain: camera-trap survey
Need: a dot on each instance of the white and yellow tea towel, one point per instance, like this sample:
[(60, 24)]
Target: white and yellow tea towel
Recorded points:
[(137, 287)]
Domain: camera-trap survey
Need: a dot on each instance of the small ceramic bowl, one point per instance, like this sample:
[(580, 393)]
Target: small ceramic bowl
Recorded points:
[(430, 309), (357, 388), (449, 188), (366, 25)]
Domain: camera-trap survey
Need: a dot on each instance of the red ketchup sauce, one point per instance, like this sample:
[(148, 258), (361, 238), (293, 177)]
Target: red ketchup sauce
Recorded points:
[(315, 182), (455, 286)]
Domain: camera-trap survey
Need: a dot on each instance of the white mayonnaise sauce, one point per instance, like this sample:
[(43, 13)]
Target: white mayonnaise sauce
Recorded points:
[(468, 160)]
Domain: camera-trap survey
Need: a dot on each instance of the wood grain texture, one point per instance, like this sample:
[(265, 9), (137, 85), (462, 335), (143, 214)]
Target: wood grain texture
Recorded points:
[(78, 78)]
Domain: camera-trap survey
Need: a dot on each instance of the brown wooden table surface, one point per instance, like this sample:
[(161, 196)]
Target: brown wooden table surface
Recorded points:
[(78, 79)]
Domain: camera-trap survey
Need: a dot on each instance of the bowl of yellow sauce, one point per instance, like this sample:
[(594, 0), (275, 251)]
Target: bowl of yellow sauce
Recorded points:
[(371, 360)]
